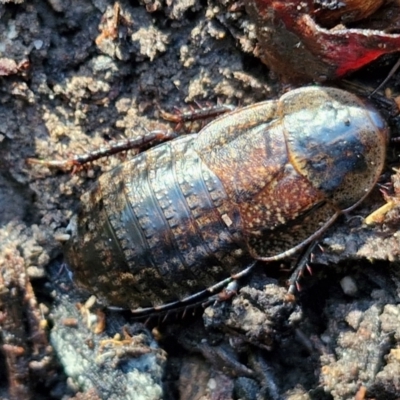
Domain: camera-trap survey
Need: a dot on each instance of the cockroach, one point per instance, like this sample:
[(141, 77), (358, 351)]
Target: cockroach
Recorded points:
[(185, 218)]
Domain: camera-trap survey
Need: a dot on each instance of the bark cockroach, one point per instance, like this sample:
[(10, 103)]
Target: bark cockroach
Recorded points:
[(259, 183)]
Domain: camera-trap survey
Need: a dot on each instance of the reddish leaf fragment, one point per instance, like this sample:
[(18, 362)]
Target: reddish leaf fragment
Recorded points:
[(295, 46)]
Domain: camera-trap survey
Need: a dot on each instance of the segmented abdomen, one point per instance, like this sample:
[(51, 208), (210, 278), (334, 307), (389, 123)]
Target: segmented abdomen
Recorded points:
[(156, 229)]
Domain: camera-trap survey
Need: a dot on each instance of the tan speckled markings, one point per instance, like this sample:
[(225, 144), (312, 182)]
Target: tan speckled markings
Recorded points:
[(204, 196), (229, 224)]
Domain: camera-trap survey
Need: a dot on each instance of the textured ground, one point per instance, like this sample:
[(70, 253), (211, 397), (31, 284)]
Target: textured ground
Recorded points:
[(76, 74)]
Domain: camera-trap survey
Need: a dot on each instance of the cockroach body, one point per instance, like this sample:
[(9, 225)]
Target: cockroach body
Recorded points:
[(259, 183)]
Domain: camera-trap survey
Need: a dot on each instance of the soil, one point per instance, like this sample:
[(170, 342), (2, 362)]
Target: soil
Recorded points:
[(75, 75)]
